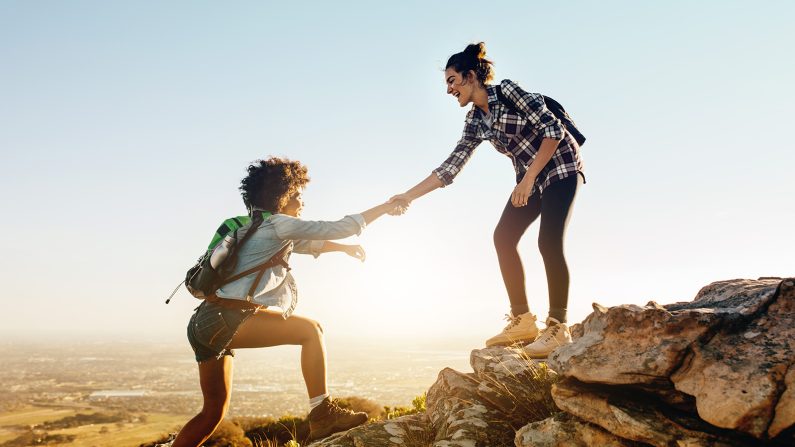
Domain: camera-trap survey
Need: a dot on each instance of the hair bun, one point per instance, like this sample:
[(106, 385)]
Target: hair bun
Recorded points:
[(476, 50), (473, 59)]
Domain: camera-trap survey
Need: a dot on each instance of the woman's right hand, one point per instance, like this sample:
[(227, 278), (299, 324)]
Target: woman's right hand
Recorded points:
[(402, 202)]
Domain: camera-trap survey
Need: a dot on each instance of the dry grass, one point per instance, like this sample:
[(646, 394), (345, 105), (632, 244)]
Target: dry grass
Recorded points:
[(526, 396), (418, 436)]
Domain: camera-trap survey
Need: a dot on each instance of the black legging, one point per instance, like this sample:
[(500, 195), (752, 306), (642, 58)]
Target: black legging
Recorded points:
[(554, 207)]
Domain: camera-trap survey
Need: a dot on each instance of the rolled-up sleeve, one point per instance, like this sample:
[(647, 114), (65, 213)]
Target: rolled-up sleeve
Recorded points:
[(463, 151), (534, 109), (293, 228)]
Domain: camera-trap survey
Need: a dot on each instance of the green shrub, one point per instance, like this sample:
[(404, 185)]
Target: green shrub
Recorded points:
[(417, 406)]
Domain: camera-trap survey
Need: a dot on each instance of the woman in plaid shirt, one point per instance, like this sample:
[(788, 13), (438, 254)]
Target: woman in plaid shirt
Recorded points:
[(548, 167)]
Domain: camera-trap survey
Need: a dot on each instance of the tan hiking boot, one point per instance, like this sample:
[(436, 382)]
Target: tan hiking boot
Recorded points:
[(554, 335), (520, 329), (328, 418)]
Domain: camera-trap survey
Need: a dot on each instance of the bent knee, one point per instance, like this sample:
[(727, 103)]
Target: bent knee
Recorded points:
[(550, 249), (309, 328), (505, 239), (316, 328)]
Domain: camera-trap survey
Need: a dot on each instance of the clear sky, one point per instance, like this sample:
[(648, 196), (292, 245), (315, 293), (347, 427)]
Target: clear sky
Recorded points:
[(127, 126)]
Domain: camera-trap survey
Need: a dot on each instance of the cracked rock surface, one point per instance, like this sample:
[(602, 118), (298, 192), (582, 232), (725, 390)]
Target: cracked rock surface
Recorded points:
[(486, 407), (723, 361), (563, 430)]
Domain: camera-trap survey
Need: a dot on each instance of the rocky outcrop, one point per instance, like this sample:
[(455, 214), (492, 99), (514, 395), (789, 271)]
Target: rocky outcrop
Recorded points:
[(714, 371), (505, 391)]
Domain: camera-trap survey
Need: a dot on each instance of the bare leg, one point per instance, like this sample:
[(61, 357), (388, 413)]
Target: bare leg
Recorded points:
[(268, 328), (215, 377)]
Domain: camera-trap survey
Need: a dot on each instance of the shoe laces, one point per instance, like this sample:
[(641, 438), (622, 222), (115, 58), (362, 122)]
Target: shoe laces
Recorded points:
[(549, 332), (512, 321), (336, 409)]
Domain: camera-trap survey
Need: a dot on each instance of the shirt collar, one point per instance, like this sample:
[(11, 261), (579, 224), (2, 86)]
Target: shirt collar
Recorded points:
[(491, 90)]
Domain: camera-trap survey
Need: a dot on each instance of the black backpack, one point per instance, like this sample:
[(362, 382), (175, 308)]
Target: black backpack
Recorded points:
[(554, 107)]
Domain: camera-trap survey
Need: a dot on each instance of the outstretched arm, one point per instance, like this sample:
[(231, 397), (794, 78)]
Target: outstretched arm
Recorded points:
[(430, 183), (449, 169), (378, 211), (293, 228), (318, 247)]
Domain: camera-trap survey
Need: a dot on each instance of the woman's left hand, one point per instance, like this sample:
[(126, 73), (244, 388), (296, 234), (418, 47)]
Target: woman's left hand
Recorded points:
[(521, 193), (355, 251)]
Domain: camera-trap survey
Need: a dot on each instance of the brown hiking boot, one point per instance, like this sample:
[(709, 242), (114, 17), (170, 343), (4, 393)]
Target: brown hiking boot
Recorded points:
[(328, 418)]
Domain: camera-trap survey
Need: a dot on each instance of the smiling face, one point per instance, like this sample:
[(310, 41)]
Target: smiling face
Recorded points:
[(295, 205), (461, 87)]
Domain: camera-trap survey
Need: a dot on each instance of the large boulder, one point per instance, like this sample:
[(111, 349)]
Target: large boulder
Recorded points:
[(660, 335), (726, 358), (564, 430), (738, 375), (638, 417)]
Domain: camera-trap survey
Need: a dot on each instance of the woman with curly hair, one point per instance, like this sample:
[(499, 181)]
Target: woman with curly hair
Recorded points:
[(237, 316), (548, 169)]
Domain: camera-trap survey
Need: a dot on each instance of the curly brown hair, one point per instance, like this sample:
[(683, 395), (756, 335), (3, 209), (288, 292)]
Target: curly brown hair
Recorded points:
[(270, 183)]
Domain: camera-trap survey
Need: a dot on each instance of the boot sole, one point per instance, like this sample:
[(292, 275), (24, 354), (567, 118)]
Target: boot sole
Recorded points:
[(540, 356), (511, 342)]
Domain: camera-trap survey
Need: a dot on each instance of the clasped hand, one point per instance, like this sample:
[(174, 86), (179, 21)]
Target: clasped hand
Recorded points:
[(401, 202)]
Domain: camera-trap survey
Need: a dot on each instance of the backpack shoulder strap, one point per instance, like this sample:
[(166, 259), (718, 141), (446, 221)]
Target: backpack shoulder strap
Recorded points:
[(278, 258), (505, 101), (551, 104)]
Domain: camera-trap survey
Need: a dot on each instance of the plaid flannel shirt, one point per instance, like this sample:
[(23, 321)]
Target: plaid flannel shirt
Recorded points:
[(518, 136)]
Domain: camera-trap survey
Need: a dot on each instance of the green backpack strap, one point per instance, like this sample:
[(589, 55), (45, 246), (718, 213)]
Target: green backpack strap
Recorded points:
[(232, 224)]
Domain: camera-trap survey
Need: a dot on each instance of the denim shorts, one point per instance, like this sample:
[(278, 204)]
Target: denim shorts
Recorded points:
[(211, 328)]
